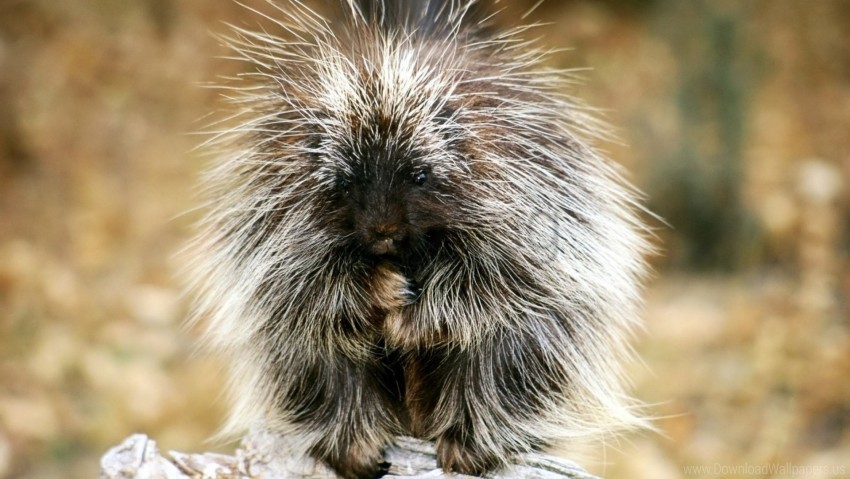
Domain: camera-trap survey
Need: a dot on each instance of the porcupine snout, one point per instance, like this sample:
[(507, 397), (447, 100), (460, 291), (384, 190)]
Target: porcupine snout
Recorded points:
[(385, 238), (381, 219)]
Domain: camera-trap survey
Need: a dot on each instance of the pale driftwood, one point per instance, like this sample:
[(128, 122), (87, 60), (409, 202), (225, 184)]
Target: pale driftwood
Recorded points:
[(264, 456)]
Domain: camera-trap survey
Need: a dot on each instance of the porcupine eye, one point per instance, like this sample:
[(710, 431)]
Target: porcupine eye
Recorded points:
[(420, 177), (343, 186)]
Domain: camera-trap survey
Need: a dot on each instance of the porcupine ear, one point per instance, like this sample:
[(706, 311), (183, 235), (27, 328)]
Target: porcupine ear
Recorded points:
[(421, 14)]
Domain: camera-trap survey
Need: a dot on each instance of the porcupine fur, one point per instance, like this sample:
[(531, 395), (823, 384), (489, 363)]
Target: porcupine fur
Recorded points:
[(410, 233)]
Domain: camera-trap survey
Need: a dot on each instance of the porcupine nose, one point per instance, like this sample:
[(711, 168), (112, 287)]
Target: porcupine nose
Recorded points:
[(385, 238)]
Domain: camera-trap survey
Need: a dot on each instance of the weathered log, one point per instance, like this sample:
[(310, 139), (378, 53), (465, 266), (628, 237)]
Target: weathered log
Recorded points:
[(266, 456)]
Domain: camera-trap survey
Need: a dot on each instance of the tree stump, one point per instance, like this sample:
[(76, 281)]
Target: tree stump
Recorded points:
[(265, 456)]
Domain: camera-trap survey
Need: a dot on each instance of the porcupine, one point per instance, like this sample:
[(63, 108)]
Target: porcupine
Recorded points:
[(411, 233)]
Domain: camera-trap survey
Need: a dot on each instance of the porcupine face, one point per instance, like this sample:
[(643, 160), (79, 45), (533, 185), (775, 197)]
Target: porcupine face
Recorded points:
[(387, 168), (385, 198)]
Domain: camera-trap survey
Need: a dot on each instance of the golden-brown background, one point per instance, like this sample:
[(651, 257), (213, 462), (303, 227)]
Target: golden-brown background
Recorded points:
[(734, 119)]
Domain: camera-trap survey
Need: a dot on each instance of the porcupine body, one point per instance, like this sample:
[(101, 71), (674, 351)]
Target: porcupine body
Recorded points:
[(411, 235)]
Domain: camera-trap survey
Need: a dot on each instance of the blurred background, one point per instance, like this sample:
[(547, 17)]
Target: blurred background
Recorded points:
[(733, 118)]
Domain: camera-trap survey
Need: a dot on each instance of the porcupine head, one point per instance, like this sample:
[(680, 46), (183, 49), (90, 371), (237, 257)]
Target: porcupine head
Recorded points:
[(410, 233)]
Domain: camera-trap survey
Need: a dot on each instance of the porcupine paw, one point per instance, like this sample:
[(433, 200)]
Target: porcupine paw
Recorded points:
[(391, 289), (358, 461), (454, 454), (394, 294)]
